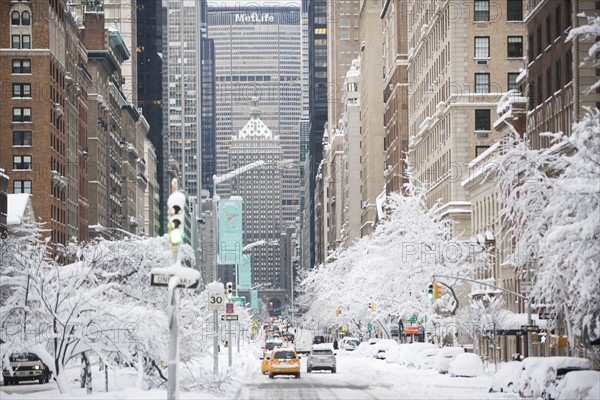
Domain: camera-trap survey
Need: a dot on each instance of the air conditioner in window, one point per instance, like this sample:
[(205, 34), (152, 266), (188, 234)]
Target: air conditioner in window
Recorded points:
[(482, 134), (482, 62)]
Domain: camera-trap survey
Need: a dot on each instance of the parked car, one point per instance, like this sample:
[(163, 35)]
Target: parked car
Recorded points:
[(265, 363), (466, 365), (540, 375), (445, 356), (426, 358), (284, 362), (321, 358), (26, 367), (409, 352), (380, 347), (349, 343), (506, 380), (579, 385)]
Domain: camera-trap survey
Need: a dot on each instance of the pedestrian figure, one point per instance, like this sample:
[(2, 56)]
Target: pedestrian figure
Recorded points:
[(335, 344)]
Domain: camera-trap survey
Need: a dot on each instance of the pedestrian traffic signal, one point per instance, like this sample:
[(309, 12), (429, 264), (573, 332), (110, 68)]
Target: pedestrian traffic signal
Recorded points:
[(338, 312), (176, 209), (229, 291), (430, 292), (437, 291)]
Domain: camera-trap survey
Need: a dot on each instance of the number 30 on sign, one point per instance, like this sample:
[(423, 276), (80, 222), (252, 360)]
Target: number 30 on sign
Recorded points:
[(216, 300)]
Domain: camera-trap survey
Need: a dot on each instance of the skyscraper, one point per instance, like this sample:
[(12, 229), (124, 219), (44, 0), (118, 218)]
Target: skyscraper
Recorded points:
[(261, 191), (257, 54)]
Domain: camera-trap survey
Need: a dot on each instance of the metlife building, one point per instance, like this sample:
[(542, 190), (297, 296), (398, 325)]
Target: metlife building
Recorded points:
[(258, 54)]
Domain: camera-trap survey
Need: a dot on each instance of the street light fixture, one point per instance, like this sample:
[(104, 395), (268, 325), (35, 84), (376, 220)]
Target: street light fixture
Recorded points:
[(99, 228)]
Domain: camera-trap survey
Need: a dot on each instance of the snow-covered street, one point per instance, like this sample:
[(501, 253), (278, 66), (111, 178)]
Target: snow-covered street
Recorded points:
[(362, 377)]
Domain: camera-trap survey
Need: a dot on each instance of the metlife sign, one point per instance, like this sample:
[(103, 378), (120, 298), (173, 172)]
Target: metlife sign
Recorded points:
[(254, 18)]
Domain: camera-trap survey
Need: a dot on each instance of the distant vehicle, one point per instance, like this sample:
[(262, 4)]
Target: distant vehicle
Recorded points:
[(426, 358), (318, 339), (284, 362), (26, 367), (466, 365), (541, 375), (289, 337), (349, 343), (321, 359), (379, 348), (271, 345)]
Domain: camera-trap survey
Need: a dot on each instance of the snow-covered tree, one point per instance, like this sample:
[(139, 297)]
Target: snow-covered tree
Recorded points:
[(392, 268)]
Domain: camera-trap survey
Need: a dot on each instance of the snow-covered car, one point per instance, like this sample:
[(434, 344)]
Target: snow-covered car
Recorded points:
[(579, 385), (506, 380), (25, 367), (379, 349), (466, 365), (540, 375), (272, 345), (445, 356), (349, 343), (426, 358), (409, 353)]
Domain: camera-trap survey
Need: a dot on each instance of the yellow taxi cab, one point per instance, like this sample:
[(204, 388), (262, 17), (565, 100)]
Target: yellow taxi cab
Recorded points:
[(265, 363), (284, 361)]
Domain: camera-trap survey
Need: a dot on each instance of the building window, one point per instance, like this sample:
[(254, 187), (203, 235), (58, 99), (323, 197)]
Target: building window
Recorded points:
[(482, 83), (480, 149), (21, 90), (481, 11), (530, 47), (482, 120), (15, 18), (531, 96), (21, 41), (558, 75), (512, 81), (482, 47), (569, 62), (558, 22), (539, 39), (548, 31), (549, 83), (22, 187), (25, 18), (22, 138), (540, 93), (514, 10), (514, 46), (21, 114), (22, 162), (21, 67)]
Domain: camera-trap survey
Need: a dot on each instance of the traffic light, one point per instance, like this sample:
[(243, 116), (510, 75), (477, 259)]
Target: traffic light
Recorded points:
[(338, 312), (373, 307), (430, 292), (229, 291), (176, 205), (437, 291)]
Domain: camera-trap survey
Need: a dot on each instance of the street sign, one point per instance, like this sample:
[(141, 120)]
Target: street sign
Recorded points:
[(216, 297), (369, 327), (163, 280), (229, 308), (530, 327), (413, 318), (229, 317), (411, 330), (241, 300)]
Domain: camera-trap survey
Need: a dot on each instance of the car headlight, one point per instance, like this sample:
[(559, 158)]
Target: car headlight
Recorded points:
[(36, 367)]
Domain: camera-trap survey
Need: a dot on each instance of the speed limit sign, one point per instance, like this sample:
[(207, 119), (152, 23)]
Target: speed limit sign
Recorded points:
[(216, 296)]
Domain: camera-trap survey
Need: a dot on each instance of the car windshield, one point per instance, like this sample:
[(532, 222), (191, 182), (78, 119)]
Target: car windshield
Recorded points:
[(23, 357), (272, 345), (284, 355), (353, 342), (322, 352)]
